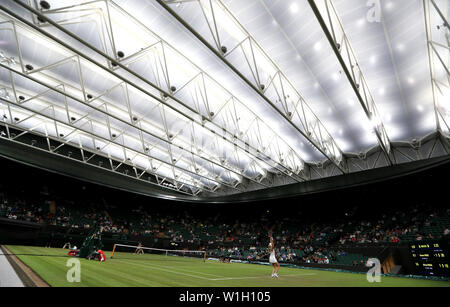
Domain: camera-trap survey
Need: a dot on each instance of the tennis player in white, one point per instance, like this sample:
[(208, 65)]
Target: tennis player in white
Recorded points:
[(273, 259)]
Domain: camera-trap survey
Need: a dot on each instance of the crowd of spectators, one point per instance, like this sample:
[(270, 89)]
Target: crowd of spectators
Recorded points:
[(181, 227), (299, 238), (308, 254), (412, 225), (85, 218)]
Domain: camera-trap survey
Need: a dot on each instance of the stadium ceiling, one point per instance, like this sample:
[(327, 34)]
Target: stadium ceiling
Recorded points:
[(214, 98)]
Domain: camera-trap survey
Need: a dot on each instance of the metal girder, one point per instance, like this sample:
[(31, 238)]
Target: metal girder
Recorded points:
[(428, 147), (262, 158), (35, 115), (249, 61), (438, 41), (331, 25), (354, 179), (248, 140), (75, 138), (145, 141)]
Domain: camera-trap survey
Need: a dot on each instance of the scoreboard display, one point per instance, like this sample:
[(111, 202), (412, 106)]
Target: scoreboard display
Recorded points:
[(431, 258)]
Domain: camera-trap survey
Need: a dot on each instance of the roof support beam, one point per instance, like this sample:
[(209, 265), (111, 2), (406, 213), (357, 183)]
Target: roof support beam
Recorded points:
[(260, 157), (99, 106), (209, 120), (334, 31), (66, 134), (438, 41), (270, 84), (42, 130)]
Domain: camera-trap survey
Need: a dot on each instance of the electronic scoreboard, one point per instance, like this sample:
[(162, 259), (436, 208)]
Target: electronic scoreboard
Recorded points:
[(431, 258)]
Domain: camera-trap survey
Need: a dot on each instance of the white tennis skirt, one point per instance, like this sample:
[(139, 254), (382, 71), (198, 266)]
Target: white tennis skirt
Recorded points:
[(272, 259)]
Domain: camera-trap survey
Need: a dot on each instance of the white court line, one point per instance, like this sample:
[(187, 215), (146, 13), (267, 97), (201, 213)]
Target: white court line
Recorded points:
[(201, 273), (163, 268), (231, 278), (291, 275), (295, 275), (181, 269), (201, 277), (166, 270)]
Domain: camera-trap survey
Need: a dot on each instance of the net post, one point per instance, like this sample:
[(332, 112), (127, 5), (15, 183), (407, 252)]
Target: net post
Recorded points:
[(114, 249), (204, 256)]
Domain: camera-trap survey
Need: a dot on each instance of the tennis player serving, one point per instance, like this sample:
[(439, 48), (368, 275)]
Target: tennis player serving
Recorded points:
[(272, 258)]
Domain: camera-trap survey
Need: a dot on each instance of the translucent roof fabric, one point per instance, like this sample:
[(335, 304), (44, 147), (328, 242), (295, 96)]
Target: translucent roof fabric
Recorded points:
[(227, 96)]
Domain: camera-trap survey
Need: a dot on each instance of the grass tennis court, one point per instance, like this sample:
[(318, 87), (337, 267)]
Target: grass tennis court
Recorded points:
[(169, 271)]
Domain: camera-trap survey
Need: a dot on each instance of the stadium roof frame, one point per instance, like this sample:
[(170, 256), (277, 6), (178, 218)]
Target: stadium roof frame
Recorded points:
[(439, 51), (340, 43), (254, 180), (338, 39), (74, 136), (63, 90), (429, 154), (202, 171), (308, 124), (244, 146)]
